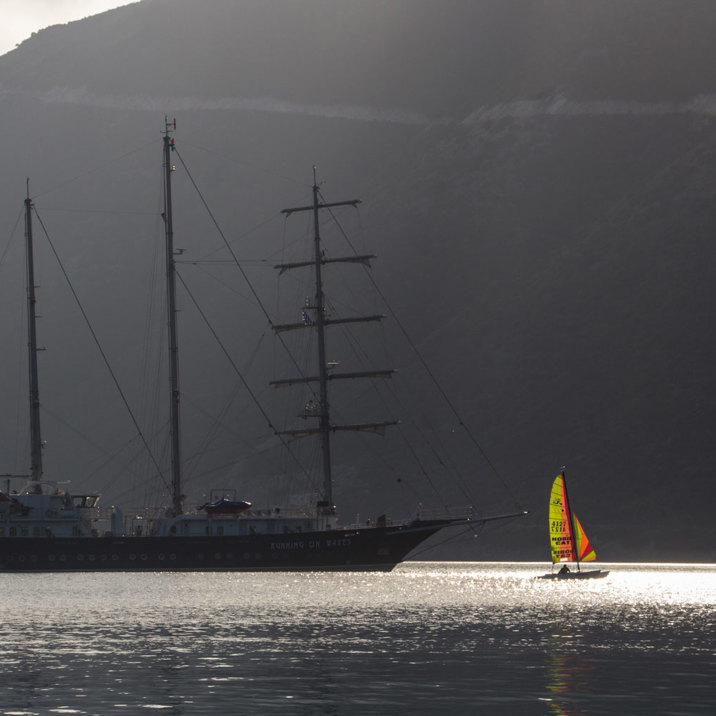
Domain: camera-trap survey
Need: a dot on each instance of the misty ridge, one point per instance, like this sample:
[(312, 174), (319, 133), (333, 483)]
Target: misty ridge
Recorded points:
[(537, 181), (440, 60)]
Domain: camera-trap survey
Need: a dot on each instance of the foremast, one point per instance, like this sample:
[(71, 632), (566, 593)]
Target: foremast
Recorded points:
[(177, 498), (35, 432), (319, 324)]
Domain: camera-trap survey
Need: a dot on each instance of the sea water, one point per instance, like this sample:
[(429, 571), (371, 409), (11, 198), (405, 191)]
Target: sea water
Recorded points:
[(427, 638)]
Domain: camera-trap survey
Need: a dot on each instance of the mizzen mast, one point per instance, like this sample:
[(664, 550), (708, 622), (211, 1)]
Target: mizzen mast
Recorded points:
[(35, 433), (177, 506)]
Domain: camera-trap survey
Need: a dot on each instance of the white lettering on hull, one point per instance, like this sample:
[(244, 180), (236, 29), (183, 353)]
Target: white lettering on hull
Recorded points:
[(311, 544)]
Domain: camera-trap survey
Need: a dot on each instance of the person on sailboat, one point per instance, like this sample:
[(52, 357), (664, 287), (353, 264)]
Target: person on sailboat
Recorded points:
[(565, 570)]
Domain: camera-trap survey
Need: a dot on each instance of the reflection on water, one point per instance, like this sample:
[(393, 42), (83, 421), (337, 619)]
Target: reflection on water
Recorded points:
[(426, 638), (568, 680)]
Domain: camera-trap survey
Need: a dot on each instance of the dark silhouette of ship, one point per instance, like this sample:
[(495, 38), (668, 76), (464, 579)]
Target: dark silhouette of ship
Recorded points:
[(44, 527)]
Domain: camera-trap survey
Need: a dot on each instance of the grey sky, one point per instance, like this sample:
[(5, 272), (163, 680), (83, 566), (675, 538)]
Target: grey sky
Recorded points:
[(20, 18)]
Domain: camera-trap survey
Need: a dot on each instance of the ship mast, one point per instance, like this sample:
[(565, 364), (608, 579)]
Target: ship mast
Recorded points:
[(35, 434), (177, 506), (324, 424), (321, 321)]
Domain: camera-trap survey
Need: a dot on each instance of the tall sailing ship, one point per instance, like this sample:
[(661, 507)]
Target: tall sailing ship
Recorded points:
[(45, 527)]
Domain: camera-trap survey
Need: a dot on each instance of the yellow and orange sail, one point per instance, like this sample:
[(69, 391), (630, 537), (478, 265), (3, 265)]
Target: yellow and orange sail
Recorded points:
[(568, 541)]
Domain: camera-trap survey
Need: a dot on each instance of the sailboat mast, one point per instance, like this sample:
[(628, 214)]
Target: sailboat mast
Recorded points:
[(324, 418), (172, 321), (570, 517), (35, 434)]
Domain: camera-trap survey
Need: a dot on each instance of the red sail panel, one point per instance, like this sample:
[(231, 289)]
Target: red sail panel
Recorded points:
[(585, 549)]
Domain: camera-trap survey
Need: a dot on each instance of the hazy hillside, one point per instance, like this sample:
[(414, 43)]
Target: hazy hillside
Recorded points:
[(538, 182)]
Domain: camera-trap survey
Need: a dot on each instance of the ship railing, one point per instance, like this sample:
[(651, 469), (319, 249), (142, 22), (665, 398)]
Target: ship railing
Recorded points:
[(448, 512), (145, 515), (279, 512), (382, 521)]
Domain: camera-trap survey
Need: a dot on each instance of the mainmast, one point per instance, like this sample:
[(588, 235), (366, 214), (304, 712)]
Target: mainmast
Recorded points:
[(35, 434), (319, 323), (172, 320)]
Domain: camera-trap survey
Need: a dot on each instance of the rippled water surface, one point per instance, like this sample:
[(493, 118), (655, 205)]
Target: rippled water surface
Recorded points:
[(426, 638)]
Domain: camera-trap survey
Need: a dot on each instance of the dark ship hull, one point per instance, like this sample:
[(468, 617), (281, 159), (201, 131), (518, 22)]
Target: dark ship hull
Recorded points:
[(367, 548)]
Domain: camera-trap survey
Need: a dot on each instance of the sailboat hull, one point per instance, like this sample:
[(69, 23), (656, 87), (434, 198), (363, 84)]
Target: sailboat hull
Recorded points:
[(589, 574), (370, 548)]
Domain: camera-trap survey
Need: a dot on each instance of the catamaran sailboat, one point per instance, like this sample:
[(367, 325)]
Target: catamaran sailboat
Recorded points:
[(569, 542)]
